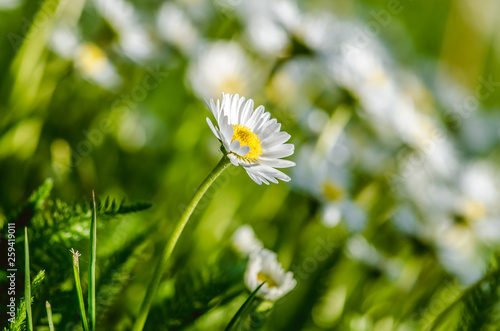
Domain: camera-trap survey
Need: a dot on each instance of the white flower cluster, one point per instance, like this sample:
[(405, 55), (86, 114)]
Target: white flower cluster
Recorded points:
[(262, 267)]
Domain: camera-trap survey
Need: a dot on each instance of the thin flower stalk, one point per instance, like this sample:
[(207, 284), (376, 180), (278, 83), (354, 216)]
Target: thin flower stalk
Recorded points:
[(169, 248)]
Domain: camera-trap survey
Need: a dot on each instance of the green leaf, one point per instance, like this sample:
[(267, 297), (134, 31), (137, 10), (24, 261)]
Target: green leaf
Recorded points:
[(20, 320)]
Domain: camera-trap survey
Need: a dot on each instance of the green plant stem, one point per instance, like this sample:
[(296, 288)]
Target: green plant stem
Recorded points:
[(49, 315), (242, 308), (92, 264), (76, 272), (168, 249), (27, 282)]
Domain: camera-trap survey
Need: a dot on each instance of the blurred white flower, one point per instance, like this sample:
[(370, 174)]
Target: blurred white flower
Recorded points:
[(286, 13), (93, 63), (317, 31), (459, 252), (267, 24), (267, 36), (264, 267), (176, 27), (6, 5), (64, 41), (478, 200), (89, 59), (222, 67), (480, 182), (329, 183), (294, 85), (245, 241), (251, 138), (364, 72), (133, 38)]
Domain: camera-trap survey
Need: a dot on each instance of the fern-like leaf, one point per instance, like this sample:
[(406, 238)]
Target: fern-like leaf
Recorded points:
[(20, 320), (481, 306), (478, 307)]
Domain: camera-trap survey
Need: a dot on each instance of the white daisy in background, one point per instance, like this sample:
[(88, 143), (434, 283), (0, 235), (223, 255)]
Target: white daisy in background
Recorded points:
[(245, 242), (175, 26), (222, 67), (263, 266), (250, 138), (93, 64), (89, 59), (133, 37)]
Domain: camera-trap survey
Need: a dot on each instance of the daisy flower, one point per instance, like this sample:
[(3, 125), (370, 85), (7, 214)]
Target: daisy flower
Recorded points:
[(250, 138), (222, 67), (245, 241), (263, 266)]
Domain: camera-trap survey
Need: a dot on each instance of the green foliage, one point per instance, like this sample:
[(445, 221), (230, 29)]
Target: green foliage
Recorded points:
[(481, 304), (116, 274), (38, 197), (65, 223), (196, 291), (477, 308), (20, 320), (110, 207), (56, 226), (244, 306)]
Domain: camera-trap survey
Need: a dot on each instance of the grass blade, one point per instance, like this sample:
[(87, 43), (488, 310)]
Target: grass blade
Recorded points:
[(92, 264), (49, 315), (242, 308), (27, 282), (76, 271)]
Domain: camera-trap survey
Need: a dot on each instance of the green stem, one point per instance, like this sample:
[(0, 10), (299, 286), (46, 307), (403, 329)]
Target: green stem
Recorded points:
[(76, 272), (49, 316), (168, 249), (92, 264), (27, 281), (242, 308)]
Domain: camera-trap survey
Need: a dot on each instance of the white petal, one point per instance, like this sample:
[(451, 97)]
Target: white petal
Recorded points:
[(244, 150), (214, 130), (235, 146), (226, 129), (276, 139), (255, 117), (253, 177), (220, 113), (240, 109), (276, 163), (269, 177), (279, 151), (270, 128), (234, 109), (254, 172), (261, 122), (247, 110), (268, 171), (233, 159), (264, 130)]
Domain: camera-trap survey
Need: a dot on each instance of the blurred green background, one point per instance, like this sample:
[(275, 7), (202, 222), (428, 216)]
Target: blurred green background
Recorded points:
[(392, 107)]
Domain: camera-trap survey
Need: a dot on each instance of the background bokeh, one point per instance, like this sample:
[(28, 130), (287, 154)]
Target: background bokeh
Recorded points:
[(392, 107)]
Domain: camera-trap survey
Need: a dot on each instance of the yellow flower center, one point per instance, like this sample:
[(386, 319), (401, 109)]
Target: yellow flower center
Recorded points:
[(91, 59), (331, 191), (262, 277), (473, 209), (247, 138)]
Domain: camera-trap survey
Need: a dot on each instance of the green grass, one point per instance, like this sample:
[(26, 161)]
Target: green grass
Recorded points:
[(92, 264), (27, 282), (79, 292)]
